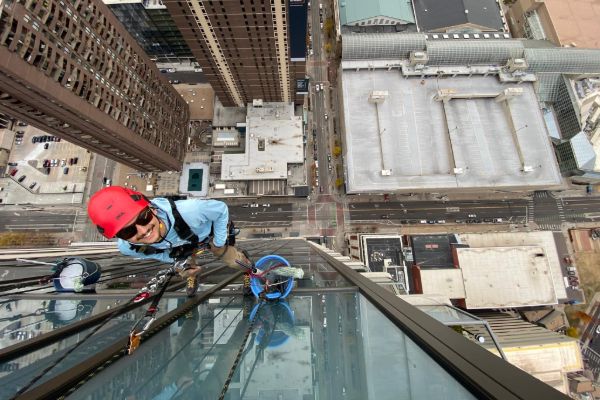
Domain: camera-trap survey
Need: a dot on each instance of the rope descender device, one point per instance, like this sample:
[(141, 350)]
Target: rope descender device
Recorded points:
[(157, 284)]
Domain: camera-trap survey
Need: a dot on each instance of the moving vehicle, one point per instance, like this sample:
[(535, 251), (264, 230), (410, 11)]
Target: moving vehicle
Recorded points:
[(21, 178)]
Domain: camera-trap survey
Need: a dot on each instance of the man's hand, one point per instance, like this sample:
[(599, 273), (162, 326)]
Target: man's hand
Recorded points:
[(231, 256)]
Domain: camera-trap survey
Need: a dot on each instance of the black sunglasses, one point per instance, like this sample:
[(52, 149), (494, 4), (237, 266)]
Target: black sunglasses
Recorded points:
[(143, 218)]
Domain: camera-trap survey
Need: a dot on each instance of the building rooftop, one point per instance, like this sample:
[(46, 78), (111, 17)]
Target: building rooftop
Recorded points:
[(481, 15), (541, 239), (194, 179), (353, 11), (381, 251), (273, 140), (471, 142), (575, 22), (498, 277), (545, 354), (432, 251), (200, 98)]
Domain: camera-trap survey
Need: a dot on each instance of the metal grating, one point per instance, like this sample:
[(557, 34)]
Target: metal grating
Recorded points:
[(381, 45), (465, 52)]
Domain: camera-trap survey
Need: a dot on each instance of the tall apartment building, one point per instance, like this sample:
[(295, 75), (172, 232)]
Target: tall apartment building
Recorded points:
[(71, 69), (248, 49)]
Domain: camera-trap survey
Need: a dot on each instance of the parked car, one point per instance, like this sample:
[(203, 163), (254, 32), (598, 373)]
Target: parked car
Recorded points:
[(568, 260), (12, 164), (472, 215), (440, 221), (498, 220), (254, 205), (488, 220), (21, 178), (245, 205), (63, 162), (32, 185), (13, 172), (266, 205), (70, 161), (75, 159), (65, 170), (47, 171), (46, 146), (21, 124)]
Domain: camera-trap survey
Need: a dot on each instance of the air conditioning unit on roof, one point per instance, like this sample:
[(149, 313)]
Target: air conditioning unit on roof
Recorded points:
[(418, 59), (517, 64)]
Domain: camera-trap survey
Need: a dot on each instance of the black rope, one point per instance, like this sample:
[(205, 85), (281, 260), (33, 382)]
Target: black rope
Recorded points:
[(39, 376), (239, 354)]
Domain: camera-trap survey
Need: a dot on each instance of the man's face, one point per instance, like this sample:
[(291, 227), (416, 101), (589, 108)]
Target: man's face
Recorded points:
[(145, 234)]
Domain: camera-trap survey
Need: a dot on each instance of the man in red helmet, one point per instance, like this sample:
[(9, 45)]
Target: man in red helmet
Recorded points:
[(164, 229)]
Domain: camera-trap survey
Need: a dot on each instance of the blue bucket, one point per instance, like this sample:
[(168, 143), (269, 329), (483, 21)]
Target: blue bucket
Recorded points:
[(265, 263)]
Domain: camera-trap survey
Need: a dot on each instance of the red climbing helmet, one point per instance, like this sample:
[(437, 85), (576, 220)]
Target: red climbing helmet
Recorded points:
[(111, 208)]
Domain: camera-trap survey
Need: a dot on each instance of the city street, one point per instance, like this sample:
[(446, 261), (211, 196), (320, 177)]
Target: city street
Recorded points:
[(47, 220)]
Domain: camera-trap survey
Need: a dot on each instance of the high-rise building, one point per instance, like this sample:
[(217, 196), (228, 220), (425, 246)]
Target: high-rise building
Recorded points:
[(71, 69), (248, 49), (150, 23), (337, 336)]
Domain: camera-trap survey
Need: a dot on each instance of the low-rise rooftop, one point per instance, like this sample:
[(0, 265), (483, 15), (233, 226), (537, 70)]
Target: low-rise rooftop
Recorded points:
[(273, 140), (408, 134)]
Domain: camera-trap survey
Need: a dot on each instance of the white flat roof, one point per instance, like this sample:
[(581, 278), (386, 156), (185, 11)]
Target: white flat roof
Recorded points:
[(497, 277), (543, 239), (275, 128), (410, 134), (447, 282)]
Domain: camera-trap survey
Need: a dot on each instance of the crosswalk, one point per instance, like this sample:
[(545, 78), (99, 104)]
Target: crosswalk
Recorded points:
[(530, 210), (546, 222)]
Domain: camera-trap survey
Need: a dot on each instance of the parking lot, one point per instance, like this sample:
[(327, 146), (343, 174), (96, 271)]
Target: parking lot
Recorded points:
[(49, 165)]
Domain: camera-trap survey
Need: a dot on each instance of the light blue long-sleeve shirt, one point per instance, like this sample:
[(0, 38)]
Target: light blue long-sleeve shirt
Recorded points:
[(200, 215)]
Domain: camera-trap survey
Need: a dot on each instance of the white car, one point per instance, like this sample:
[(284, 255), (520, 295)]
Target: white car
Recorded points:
[(317, 88), (266, 205), (326, 117), (254, 205), (321, 86)]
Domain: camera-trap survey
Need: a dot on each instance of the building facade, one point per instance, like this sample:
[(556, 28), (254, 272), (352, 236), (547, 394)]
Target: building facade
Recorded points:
[(335, 320), (251, 49), (150, 23), (71, 69)]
